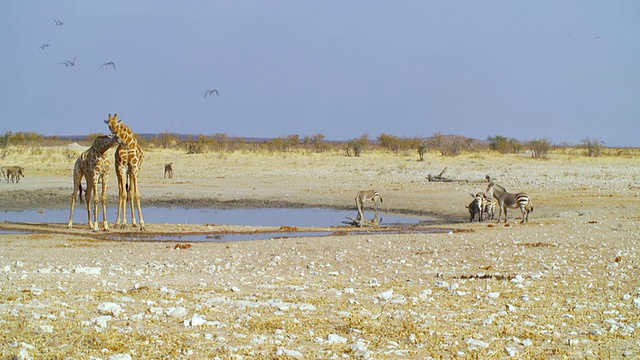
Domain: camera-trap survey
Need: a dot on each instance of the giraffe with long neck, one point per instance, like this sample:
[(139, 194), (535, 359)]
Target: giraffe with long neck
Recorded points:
[(129, 157), (92, 165)]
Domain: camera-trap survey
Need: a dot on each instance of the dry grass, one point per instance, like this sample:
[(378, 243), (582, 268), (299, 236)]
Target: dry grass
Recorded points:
[(563, 286)]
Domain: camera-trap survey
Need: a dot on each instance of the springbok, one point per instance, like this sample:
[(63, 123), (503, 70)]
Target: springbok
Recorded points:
[(168, 170), (364, 195), (476, 206), (510, 200), (13, 173)]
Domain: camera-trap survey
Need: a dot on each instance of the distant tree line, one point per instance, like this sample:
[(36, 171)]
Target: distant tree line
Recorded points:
[(444, 145)]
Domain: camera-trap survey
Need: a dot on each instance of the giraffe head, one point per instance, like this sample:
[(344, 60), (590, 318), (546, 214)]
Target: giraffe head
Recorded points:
[(113, 122), (122, 131)]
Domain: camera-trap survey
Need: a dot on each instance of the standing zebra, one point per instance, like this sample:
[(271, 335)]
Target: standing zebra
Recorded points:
[(488, 206), (364, 195), (509, 200)]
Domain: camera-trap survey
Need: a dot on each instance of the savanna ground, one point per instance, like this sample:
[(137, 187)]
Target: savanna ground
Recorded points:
[(565, 285)]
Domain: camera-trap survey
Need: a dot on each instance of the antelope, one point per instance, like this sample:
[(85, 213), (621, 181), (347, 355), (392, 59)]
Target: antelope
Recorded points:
[(168, 170), (364, 195), (476, 206), (13, 173), (510, 200)]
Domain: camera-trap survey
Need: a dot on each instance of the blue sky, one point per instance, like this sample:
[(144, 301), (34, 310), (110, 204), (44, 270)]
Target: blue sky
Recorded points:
[(561, 70)]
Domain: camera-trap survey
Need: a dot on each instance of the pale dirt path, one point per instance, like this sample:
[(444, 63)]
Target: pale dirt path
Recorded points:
[(564, 285)]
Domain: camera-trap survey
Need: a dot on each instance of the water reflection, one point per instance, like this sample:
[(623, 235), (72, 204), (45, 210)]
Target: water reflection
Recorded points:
[(307, 217)]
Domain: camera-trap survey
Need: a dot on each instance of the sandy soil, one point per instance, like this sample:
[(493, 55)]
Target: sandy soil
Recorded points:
[(565, 285)]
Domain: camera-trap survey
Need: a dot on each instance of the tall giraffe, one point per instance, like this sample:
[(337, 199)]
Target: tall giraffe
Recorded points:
[(93, 164), (120, 155), (128, 161)]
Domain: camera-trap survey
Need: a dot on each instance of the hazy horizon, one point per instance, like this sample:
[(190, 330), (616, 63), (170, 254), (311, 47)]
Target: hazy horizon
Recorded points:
[(563, 71)]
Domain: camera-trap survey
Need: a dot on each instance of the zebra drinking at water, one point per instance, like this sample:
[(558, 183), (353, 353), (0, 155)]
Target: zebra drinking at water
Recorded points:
[(365, 195), (476, 206), (510, 200)]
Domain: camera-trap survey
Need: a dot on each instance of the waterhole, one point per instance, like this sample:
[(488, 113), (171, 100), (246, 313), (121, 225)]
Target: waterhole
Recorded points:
[(268, 217), (306, 217)]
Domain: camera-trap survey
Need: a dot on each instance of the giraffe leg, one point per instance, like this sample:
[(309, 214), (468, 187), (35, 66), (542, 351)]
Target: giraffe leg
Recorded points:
[(129, 192), (94, 195), (136, 195), (88, 199), (103, 199), (121, 221), (77, 178)]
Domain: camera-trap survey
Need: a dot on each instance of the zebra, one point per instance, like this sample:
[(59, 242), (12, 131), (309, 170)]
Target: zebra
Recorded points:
[(361, 196), (476, 206), (488, 206), (510, 200), (168, 170)]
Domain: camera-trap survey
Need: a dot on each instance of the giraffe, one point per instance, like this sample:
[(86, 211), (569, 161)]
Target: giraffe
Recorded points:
[(93, 164), (120, 155), (128, 161)]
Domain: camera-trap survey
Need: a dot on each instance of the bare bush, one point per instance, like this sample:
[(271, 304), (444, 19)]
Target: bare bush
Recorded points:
[(539, 148), (357, 145), (592, 147)]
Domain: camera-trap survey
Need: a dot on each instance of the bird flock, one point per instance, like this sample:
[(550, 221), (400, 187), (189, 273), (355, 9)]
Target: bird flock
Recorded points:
[(109, 65)]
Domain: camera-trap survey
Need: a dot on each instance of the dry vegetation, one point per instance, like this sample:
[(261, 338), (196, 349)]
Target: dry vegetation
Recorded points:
[(563, 286)]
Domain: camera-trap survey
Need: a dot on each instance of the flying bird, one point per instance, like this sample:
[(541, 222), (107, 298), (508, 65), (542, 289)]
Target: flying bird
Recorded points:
[(69, 62), (43, 46), (58, 22), (107, 65), (210, 93)]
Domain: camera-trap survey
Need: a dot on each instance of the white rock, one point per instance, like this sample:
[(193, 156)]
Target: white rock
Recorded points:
[(102, 321), (110, 308), (24, 355), (87, 270), (47, 329), (336, 339), (308, 307), (289, 353), (493, 295), (360, 349), (511, 351), (476, 344), (425, 294), (119, 357), (386, 295), (197, 320), (177, 312)]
